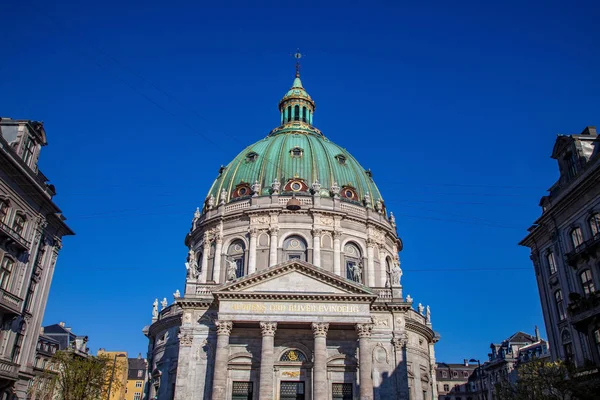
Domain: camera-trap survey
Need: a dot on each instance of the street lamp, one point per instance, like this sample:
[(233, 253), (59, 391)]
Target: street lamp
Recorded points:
[(480, 377)]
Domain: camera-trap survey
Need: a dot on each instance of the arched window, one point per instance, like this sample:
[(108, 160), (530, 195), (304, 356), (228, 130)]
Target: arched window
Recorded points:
[(236, 254), (19, 223), (576, 237), (594, 224), (296, 113), (303, 114), (551, 262), (4, 206), (6, 270), (289, 113), (567, 345), (294, 248), (353, 262), (560, 305), (293, 356), (587, 283)]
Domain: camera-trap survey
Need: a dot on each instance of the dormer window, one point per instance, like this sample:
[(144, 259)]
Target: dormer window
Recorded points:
[(19, 224), (251, 157), (349, 193), (571, 164), (341, 159), (296, 152)]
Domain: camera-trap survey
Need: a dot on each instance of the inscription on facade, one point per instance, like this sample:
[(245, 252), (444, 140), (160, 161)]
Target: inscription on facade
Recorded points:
[(296, 308)]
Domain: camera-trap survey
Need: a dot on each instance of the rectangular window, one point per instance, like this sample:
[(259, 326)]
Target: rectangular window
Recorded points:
[(294, 257), (28, 149), (3, 210), (291, 390), (6, 273), (586, 282), (560, 306), (446, 388), (576, 238), (137, 396), (138, 384), (342, 391), (239, 269), (241, 390), (551, 263), (19, 224)]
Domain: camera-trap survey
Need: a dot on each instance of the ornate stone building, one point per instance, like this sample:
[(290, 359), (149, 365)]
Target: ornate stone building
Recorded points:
[(565, 250), (31, 231), (293, 282)]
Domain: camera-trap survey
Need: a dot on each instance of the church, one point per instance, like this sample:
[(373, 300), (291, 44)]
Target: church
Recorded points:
[(293, 286)]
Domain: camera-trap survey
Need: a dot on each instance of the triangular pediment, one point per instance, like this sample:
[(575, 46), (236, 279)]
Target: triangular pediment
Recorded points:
[(295, 277)]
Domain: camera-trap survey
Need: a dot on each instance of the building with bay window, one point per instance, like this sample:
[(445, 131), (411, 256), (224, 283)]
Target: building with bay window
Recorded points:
[(565, 250), (31, 232), (293, 286)]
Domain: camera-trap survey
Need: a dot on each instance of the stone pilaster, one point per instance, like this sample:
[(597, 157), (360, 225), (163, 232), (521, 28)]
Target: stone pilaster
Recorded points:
[(337, 262), (382, 267), (320, 367), (266, 360), (399, 343), (274, 231), (218, 256), (252, 256), (364, 374), (316, 247), (370, 273), (204, 265), (221, 356)]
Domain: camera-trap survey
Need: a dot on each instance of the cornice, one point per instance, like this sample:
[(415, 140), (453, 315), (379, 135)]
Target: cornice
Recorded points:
[(412, 325), (295, 296), (164, 323)]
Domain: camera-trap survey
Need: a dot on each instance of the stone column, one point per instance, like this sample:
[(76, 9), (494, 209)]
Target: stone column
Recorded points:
[(252, 255), (221, 356), (337, 262), (316, 247), (273, 248), (320, 367), (364, 375), (370, 281), (218, 256), (204, 265), (266, 360)]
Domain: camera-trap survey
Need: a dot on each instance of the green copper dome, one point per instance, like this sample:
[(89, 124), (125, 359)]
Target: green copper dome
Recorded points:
[(295, 158)]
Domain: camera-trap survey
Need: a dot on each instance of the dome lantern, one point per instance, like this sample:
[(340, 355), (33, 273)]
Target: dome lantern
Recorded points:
[(297, 106)]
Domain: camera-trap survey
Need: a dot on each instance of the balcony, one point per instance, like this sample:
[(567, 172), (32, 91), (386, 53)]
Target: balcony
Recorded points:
[(584, 251), (13, 239), (9, 370), (582, 308), (9, 302)]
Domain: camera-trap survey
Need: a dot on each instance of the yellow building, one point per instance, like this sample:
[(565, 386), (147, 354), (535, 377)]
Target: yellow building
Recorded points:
[(117, 373), (136, 378)]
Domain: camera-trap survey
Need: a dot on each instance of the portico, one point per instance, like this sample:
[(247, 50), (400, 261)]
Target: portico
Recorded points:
[(301, 321)]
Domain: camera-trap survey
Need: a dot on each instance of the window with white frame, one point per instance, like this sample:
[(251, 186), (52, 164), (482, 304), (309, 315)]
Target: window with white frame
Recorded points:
[(576, 237), (137, 396), (138, 384), (560, 305), (6, 270), (586, 282), (4, 207), (18, 224), (551, 262), (594, 224)]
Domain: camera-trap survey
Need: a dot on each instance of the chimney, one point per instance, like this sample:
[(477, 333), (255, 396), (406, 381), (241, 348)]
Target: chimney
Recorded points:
[(62, 324), (466, 362), (589, 130), (537, 333), (139, 356)]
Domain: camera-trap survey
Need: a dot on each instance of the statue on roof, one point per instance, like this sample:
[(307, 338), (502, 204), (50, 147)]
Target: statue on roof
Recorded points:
[(192, 265), (155, 309)]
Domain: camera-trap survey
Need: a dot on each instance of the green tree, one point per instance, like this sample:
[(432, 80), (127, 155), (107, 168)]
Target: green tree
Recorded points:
[(544, 380), (72, 376)]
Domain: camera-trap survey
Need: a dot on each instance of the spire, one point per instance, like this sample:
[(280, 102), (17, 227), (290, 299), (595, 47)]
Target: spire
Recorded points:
[(297, 105)]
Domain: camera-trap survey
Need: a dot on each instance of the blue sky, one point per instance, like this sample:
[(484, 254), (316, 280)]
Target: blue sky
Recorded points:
[(453, 106)]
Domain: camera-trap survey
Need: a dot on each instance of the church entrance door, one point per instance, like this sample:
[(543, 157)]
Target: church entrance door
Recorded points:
[(291, 390)]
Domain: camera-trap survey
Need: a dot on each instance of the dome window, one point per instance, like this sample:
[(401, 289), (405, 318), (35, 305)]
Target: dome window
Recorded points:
[(296, 113), (341, 159), (303, 114), (297, 152), (251, 157), (296, 185), (241, 190), (349, 193)]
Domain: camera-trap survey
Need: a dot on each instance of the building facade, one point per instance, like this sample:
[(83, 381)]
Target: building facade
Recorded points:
[(503, 362), (565, 250), (118, 373), (453, 381), (293, 286), (137, 378), (31, 232)]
